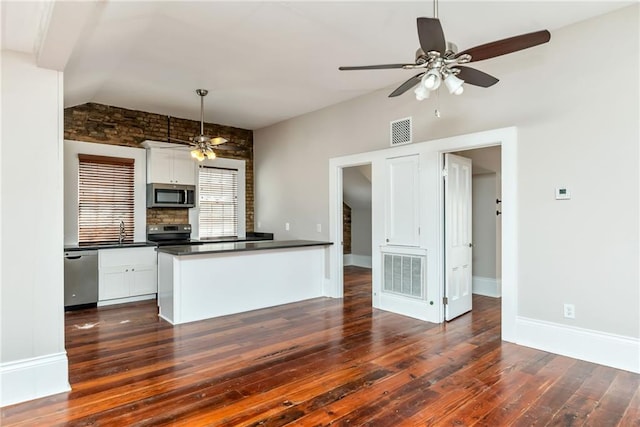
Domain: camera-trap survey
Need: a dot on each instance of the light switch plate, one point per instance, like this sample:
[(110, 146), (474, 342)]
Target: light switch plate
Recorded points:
[(563, 193)]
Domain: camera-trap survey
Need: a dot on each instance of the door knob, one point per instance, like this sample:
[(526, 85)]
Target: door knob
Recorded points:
[(470, 245)]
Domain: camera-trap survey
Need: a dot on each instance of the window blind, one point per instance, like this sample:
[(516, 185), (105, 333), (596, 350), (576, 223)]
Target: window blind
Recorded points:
[(106, 196), (218, 202)]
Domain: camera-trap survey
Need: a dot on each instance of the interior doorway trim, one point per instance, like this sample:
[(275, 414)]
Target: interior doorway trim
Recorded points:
[(431, 153), (335, 287), (507, 139)]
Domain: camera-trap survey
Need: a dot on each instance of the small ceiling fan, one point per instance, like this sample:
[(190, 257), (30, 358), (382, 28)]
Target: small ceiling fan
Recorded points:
[(204, 144), (441, 62)]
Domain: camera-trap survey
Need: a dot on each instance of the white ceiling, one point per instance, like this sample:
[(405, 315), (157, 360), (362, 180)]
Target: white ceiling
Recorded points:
[(262, 62)]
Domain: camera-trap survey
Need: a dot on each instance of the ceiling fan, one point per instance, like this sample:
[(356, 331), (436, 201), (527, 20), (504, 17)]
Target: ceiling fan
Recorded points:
[(204, 144), (441, 62)]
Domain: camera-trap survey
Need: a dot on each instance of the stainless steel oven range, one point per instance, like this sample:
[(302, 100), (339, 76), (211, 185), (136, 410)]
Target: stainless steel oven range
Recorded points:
[(171, 235)]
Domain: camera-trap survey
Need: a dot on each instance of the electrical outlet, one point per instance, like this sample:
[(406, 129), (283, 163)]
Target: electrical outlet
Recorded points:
[(286, 226), (569, 311), (319, 228)]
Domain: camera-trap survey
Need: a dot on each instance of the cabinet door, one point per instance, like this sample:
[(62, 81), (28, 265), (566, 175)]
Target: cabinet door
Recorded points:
[(114, 283), (403, 201), (184, 168), (143, 280), (160, 166)]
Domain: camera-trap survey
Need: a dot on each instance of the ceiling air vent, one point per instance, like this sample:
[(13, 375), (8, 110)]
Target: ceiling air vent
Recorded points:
[(401, 131)]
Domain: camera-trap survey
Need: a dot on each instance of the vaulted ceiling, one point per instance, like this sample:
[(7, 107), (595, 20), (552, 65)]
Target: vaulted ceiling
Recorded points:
[(262, 62)]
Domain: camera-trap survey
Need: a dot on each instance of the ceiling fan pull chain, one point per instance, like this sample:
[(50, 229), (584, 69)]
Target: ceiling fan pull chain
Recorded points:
[(437, 111)]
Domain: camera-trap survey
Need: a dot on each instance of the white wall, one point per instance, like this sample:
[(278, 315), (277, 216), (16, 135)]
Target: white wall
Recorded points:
[(361, 232), (484, 225), (33, 360), (575, 129)]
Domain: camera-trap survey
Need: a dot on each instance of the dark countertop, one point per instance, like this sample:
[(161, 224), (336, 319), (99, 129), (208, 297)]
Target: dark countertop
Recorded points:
[(250, 237), (214, 248), (109, 245)]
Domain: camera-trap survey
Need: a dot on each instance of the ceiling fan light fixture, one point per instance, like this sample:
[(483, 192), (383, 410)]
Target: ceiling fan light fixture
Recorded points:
[(421, 92), (197, 154), (454, 84), (431, 80)]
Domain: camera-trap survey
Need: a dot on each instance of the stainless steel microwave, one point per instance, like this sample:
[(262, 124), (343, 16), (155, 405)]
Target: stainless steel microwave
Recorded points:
[(170, 196)]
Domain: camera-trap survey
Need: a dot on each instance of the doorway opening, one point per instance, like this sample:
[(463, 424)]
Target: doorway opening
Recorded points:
[(473, 229), (357, 221)]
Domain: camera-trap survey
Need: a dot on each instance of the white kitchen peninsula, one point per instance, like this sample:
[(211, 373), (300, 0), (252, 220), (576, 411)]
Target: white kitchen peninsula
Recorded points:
[(199, 282)]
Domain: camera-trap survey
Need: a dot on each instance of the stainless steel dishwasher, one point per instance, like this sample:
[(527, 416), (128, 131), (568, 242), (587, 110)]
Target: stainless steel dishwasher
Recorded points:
[(80, 279)]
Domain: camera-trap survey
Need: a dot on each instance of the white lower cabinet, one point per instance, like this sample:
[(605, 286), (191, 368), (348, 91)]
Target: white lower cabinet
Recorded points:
[(127, 273)]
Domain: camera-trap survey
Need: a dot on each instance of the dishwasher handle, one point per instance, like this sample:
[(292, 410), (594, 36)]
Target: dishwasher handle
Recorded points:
[(74, 257)]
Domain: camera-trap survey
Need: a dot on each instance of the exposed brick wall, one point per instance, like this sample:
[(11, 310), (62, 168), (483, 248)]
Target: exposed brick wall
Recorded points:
[(346, 228), (167, 216), (105, 124)]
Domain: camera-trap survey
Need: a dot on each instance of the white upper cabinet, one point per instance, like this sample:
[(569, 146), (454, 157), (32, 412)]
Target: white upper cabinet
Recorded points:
[(403, 201), (166, 165)]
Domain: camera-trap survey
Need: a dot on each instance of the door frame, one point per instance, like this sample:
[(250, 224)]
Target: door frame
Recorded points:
[(433, 218), (507, 139), (335, 285)]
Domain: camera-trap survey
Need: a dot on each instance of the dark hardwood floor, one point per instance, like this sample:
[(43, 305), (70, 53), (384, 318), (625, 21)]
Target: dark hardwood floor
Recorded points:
[(321, 362)]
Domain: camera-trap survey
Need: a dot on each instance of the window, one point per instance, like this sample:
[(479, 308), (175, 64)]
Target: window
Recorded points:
[(105, 198), (218, 202)]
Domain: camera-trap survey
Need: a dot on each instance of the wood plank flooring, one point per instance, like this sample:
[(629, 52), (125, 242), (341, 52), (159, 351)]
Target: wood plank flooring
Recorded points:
[(321, 362)]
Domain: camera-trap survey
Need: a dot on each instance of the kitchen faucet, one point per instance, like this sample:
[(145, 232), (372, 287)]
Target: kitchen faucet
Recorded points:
[(123, 234)]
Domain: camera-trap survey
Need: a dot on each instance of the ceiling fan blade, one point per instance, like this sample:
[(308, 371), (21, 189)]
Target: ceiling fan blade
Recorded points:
[(217, 140), (229, 147), (431, 35), (406, 85), (182, 141), (508, 45), (372, 67), (476, 77)]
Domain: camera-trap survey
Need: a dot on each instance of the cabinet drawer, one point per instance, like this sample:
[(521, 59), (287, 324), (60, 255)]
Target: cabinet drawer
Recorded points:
[(127, 256)]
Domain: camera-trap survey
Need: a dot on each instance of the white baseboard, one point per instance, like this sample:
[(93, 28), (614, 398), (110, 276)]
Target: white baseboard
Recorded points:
[(593, 346), (357, 260), (487, 286), (125, 300), (29, 379)]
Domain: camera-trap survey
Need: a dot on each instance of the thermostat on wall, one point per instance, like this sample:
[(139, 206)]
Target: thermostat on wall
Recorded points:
[(562, 193)]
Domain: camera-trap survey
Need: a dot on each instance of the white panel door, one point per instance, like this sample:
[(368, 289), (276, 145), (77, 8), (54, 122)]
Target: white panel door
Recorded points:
[(403, 201), (458, 245)]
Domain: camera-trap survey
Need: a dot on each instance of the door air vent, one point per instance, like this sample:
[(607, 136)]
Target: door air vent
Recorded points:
[(401, 132), (403, 274)]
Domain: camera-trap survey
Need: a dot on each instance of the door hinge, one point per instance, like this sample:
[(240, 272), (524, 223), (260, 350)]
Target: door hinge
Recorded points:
[(445, 300), (445, 172)]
